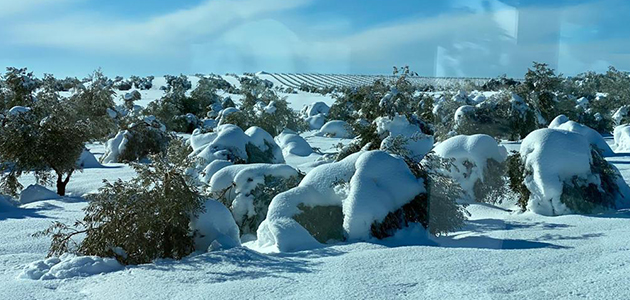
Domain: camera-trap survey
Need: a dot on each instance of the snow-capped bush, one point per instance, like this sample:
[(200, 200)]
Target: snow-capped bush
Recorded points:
[(564, 174), (229, 143), (415, 144), (143, 138), (622, 138), (336, 128), (366, 195), (478, 165), (594, 138), (215, 228), (293, 144), (622, 115), (140, 220), (248, 189), (315, 114)]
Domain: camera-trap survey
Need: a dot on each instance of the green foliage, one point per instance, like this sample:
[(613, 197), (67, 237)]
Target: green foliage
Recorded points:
[(262, 107), (495, 184), (324, 223), (436, 209), (92, 103), (140, 220), (516, 175), (585, 197), (21, 86), (180, 112), (261, 197), (144, 140), (45, 140)]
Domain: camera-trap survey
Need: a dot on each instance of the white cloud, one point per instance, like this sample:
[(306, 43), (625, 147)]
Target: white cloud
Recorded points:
[(168, 34)]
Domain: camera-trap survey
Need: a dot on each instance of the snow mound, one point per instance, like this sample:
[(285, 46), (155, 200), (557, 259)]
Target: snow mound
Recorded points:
[(69, 266), (353, 193), (88, 161), (338, 129), (476, 149), (291, 143), (229, 143), (553, 156), (215, 228), (462, 112), (115, 146), (315, 109), (316, 122), (594, 138), (620, 114), (622, 138), (235, 184), (417, 144), (35, 192)]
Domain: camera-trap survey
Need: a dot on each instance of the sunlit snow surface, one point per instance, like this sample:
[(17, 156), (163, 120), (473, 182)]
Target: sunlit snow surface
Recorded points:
[(500, 254)]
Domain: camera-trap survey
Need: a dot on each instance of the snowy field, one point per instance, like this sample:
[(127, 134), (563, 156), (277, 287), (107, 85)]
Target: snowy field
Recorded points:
[(499, 254)]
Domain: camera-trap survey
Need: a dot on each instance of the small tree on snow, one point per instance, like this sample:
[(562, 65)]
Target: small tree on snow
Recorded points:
[(140, 220)]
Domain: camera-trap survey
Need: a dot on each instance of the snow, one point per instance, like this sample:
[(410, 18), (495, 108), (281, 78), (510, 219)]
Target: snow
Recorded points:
[(115, 146), (622, 138), (417, 144), (35, 192), (69, 266), (16, 110), (293, 144), (621, 113), (477, 149), (553, 156), (367, 186), (215, 228), (499, 254), (381, 184), (241, 180), (315, 109), (88, 160), (593, 137), (336, 128), (462, 112)]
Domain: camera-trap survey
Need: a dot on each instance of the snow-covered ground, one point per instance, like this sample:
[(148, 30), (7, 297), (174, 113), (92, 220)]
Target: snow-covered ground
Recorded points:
[(499, 254)]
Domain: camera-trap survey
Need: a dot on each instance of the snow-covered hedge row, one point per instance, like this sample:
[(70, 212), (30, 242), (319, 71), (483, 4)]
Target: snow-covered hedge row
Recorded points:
[(565, 174), (478, 164), (366, 195)]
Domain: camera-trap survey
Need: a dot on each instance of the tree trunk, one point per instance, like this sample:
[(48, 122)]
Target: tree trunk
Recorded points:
[(61, 183)]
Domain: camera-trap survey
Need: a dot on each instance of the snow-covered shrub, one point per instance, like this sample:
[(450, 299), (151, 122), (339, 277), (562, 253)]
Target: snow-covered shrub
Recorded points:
[(120, 220), (181, 112), (622, 115), (315, 114), (415, 143), (262, 107), (336, 128), (622, 138), (366, 195), (562, 122), (229, 143), (564, 174), (293, 144), (215, 228), (478, 165), (140, 139), (247, 190)]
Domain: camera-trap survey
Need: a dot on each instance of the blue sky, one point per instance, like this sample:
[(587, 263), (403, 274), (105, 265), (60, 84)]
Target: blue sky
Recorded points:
[(435, 38)]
